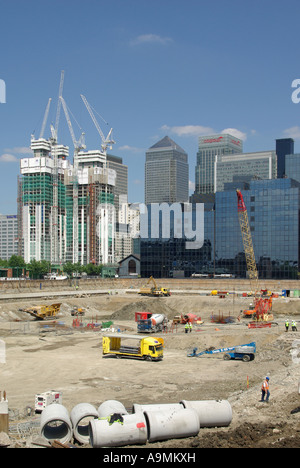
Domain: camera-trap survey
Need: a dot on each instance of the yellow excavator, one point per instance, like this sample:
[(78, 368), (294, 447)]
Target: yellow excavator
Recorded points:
[(154, 290)]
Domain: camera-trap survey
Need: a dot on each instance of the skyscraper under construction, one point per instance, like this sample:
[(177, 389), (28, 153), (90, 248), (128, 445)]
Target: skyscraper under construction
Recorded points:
[(66, 211)]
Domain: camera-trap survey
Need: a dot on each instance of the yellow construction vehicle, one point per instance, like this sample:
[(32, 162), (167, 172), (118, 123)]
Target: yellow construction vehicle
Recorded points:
[(43, 312), (133, 346), (77, 311), (154, 290)]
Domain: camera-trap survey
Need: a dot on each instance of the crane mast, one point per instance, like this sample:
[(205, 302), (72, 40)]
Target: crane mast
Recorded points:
[(247, 241), (78, 145)]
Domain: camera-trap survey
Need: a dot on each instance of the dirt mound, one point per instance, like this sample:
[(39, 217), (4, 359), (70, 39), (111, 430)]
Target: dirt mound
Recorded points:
[(154, 305), (250, 436)]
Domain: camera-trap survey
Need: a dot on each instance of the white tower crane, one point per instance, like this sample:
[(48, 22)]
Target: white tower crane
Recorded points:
[(105, 141), (45, 119), (78, 145), (53, 141)]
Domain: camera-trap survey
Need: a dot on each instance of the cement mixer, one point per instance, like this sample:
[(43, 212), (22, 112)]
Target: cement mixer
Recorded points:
[(150, 323)]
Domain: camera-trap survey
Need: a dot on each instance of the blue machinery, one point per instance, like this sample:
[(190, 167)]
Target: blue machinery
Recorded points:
[(245, 352)]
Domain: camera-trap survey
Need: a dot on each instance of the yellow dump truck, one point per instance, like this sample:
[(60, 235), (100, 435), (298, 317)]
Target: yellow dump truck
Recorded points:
[(150, 349)]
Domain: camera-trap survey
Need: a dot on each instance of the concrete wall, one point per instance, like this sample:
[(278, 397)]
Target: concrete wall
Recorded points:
[(136, 283)]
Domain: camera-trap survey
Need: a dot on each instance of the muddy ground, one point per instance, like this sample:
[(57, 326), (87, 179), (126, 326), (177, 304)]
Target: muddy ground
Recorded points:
[(57, 356)]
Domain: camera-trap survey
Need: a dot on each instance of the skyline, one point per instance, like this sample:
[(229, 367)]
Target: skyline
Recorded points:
[(182, 69)]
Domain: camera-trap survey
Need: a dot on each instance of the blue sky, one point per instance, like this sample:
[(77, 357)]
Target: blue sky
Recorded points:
[(150, 68)]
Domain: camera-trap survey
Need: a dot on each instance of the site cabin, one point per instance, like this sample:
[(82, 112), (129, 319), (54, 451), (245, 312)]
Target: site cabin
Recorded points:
[(140, 347), (47, 398)]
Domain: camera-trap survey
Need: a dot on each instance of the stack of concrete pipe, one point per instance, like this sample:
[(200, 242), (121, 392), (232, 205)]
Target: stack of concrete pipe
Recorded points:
[(151, 423)]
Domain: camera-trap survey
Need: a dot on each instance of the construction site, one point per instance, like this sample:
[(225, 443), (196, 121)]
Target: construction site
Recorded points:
[(176, 363), (63, 354)]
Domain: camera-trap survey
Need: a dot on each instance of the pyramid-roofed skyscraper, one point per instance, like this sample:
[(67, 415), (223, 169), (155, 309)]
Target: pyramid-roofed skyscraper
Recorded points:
[(166, 173)]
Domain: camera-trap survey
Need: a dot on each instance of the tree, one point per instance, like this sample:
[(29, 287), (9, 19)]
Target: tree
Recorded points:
[(92, 270), (38, 269), (69, 268), (16, 261)]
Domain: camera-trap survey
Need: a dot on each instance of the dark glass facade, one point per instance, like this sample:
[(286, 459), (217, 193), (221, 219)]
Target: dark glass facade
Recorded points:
[(273, 212), (284, 146), (165, 258)]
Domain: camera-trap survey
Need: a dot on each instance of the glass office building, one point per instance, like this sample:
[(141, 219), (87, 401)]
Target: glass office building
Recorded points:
[(244, 166), (169, 256), (273, 210), (208, 148), (292, 166)]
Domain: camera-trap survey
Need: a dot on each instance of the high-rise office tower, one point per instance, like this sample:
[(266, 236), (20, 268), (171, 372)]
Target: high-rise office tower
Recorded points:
[(209, 147), (244, 167), (8, 236), (284, 146), (166, 173)]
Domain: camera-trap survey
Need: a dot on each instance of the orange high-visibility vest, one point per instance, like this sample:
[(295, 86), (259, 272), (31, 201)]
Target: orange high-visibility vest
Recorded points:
[(265, 385)]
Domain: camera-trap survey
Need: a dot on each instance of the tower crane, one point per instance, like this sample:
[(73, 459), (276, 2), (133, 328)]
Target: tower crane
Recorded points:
[(105, 141), (61, 84), (261, 305), (53, 142), (247, 241), (78, 145), (45, 118)]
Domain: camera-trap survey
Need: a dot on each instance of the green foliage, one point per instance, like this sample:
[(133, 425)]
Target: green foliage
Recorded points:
[(37, 269)]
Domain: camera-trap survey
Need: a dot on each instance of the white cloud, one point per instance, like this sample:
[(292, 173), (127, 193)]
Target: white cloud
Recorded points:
[(132, 149), (7, 157), (19, 150), (200, 130), (137, 181), (236, 133), (12, 154), (292, 132), (151, 39), (188, 130)]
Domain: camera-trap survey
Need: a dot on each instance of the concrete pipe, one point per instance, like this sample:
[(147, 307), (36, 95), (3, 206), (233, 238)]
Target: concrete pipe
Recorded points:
[(168, 424), (56, 424), (212, 413), (110, 407), (80, 417), (132, 431), (157, 407)]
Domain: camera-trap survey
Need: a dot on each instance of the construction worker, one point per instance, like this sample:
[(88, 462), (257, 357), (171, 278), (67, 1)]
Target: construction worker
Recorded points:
[(190, 327), (287, 324), (294, 325), (113, 418), (186, 327), (265, 391)]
